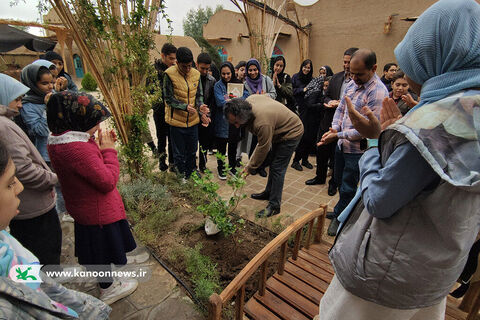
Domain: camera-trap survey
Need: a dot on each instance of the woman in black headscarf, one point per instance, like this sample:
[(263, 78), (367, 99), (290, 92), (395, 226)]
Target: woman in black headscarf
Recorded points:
[(57, 59), (282, 83), (300, 82)]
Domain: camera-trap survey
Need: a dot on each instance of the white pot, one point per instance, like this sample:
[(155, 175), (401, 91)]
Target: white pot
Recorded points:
[(210, 227)]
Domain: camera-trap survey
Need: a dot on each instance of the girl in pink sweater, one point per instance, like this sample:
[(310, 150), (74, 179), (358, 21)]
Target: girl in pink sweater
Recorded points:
[(88, 171)]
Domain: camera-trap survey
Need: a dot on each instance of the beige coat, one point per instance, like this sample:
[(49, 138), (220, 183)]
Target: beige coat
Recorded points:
[(38, 197)]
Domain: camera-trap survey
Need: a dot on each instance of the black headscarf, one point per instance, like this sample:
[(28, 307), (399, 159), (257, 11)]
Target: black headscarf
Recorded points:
[(29, 77), (306, 78), (281, 75), (215, 71), (74, 111), (229, 65), (328, 70), (52, 55)]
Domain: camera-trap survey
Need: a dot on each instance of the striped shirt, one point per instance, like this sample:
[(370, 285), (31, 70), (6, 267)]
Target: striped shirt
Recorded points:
[(370, 94)]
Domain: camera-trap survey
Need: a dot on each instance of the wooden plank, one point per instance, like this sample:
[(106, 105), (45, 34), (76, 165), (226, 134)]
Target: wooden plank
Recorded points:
[(300, 286), (316, 271), (240, 303), (298, 237), (280, 307), (263, 278), (257, 311), (453, 311), (300, 302), (283, 258), (321, 247), (317, 283), (309, 234), (316, 261), (322, 256)]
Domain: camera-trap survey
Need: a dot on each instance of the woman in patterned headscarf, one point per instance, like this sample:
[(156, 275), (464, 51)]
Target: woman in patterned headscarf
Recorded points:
[(406, 234)]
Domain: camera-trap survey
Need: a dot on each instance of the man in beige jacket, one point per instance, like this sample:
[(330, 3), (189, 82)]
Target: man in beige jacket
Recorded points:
[(279, 130)]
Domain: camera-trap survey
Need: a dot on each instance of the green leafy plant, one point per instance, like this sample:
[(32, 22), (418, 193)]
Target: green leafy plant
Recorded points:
[(203, 271), (88, 82), (218, 209), (149, 207)]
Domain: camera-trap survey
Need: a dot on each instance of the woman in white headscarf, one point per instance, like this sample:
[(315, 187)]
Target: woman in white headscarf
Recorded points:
[(406, 235)]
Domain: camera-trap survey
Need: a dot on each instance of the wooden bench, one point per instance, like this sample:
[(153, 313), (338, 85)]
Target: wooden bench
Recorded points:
[(294, 291)]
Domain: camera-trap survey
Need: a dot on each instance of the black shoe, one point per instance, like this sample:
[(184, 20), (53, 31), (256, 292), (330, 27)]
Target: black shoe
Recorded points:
[(232, 172), (296, 165), (260, 196), (262, 172), (163, 166), (333, 227), (332, 189), (253, 172), (330, 215), (314, 181), (172, 168), (268, 212), (238, 163), (307, 165), (202, 169)]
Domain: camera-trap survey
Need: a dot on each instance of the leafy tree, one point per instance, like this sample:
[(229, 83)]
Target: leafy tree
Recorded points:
[(193, 26)]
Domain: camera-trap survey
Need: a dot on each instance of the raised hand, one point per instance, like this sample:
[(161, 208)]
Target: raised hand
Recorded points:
[(407, 98), (389, 113), (369, 127)]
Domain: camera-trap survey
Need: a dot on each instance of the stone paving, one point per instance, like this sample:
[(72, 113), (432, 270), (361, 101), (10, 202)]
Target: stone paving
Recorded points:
[(159, 298)]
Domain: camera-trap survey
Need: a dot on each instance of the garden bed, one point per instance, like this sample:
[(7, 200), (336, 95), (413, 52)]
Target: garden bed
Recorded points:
[(163, 213)]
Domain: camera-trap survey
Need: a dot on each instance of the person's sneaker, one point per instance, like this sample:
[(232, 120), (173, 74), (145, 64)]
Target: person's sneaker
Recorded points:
[(296, 165), (238, 163), (118, 290), (307, 165), (232, 172), (333, 227), (67, 218), (262, 172), (221, 175)]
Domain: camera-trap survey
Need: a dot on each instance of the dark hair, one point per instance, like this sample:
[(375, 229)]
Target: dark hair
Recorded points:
[(43, 70), (215, 72), (350, 51), (241, 64), (368, 57), (51, 55), (388, 66), (278, 58), (204, 58), (4, 157), (168, 48), (398, 75), (306, 78), (184, 55), (241, 109)]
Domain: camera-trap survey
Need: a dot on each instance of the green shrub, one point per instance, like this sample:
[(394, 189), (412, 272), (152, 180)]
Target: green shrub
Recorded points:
[(149, 206), (88, 82), (204, 273)]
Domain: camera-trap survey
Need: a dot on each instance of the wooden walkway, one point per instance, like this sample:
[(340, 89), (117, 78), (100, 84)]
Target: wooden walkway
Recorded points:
[(295, 290)]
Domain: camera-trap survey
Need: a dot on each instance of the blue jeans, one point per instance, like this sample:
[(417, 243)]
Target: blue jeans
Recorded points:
[(184, 147), (347, 175)]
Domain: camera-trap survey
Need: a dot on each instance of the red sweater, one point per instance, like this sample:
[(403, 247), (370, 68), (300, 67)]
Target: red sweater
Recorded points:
[(88, 177)]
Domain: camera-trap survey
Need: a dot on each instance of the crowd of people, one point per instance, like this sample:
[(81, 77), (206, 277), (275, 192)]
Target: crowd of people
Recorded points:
[(403, 152)]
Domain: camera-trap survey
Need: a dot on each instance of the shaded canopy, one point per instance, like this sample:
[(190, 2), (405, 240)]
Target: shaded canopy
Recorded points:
[(12, 38)]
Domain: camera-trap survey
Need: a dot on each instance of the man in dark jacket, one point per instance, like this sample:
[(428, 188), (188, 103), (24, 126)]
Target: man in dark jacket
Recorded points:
[(169, 58), (205, 134), (333, 95)]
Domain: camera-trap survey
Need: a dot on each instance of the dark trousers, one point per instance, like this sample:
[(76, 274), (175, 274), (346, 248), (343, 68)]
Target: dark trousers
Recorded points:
[(232, 152), (281, 154), (41, 235), (205, 139), (307, 143), (325, 159), (162, 129), (267, 160), (347, 175), (184, 147)]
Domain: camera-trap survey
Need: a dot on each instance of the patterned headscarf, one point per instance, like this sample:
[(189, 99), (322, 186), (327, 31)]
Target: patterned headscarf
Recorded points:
[(441, 51), (74, 111)]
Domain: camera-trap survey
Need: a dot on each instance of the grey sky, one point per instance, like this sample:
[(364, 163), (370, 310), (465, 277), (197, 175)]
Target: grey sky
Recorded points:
[(176, 9)]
